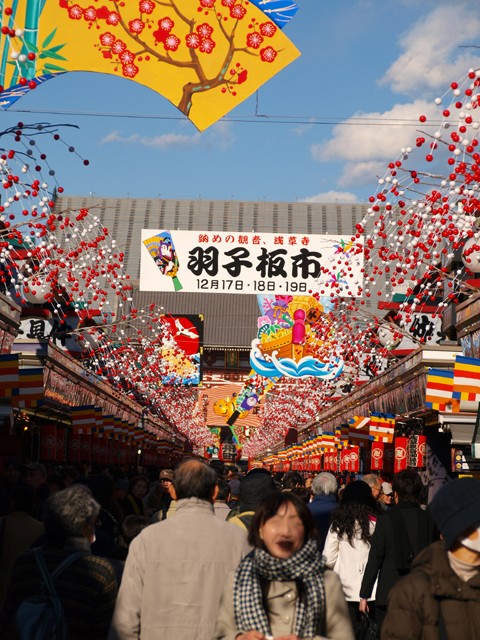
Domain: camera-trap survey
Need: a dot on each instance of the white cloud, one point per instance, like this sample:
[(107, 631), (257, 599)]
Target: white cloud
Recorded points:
[(303, 129), (432, 50), (372, 136), (219, 135), (163, 141), (367, 148), (332, 196), (360, 173)]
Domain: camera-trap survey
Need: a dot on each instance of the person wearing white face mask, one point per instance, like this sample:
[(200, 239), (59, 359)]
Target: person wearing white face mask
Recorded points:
[(440, 597)]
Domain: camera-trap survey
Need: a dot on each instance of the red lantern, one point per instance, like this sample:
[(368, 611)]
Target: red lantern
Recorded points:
[(228, 452)]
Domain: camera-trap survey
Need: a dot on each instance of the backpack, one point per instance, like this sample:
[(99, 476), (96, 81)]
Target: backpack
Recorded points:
[(41, 616), (243, 520)]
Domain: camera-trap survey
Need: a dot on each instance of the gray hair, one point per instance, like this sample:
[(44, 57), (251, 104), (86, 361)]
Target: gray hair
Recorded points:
[(372, 480), (68, 511), (324, 484), (194, 479)]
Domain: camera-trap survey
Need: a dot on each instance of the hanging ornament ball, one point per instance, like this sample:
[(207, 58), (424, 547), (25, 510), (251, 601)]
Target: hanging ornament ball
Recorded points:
[(471, 255), (388, 337), (34, 293)]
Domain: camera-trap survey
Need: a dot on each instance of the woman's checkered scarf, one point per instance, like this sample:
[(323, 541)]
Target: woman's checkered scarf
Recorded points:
[(306, 565)]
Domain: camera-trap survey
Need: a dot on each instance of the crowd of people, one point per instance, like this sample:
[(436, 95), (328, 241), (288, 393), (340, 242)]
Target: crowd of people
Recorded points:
[(206, 552)]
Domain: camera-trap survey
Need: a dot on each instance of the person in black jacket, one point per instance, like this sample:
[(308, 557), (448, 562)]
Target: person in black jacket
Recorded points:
[(399, 536)]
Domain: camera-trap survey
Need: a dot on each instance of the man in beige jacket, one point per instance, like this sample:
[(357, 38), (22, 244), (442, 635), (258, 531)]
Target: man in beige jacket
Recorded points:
[(176, 569)]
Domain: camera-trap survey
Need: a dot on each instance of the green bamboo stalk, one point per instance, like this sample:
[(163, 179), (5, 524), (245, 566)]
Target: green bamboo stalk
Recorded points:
[(30, 34), (6, 49)]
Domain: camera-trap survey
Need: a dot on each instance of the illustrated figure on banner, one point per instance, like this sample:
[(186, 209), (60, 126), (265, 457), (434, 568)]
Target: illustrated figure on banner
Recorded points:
[(162, 250), (289, 343), (286, 345)]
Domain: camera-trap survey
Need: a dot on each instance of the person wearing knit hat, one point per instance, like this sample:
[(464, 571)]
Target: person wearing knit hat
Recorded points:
[(256, 485), (440, 598), (456, 509)]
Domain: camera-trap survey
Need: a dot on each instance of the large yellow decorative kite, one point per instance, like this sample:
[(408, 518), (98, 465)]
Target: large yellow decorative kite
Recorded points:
[(205, 56)]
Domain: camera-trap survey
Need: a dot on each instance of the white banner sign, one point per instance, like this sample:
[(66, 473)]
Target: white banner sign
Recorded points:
[(234, 262)]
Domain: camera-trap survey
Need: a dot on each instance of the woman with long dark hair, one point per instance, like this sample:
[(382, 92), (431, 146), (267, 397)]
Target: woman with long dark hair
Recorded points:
[(347, 544), (282, 588)]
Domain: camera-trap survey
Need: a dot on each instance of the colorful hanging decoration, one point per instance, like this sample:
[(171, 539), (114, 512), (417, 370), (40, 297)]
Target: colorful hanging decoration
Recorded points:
[(425, 212), (421, 215), (204, 56), (287, 343)]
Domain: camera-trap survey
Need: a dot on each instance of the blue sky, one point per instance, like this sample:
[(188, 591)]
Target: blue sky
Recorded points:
[(364, 63)]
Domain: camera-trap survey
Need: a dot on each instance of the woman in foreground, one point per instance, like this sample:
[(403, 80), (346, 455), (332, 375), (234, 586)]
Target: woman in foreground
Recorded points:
[(282, 590)]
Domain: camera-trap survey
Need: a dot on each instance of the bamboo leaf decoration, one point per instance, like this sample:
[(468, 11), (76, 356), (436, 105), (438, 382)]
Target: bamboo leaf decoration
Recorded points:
[(49, 39)]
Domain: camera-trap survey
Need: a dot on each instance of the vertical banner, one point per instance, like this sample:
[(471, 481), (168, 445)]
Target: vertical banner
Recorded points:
[(95, 448), (335, 460), (111, 444), (85, 447), (324, 461), (328, 460), (422, 451), (61, 444), (416, 451), (102, 457), (122, 453), (48, 442), (354, 459), (388, 457), (150, 458), (73, 447), (116, 451), (400, 454), (347, 460), (376, 456)]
